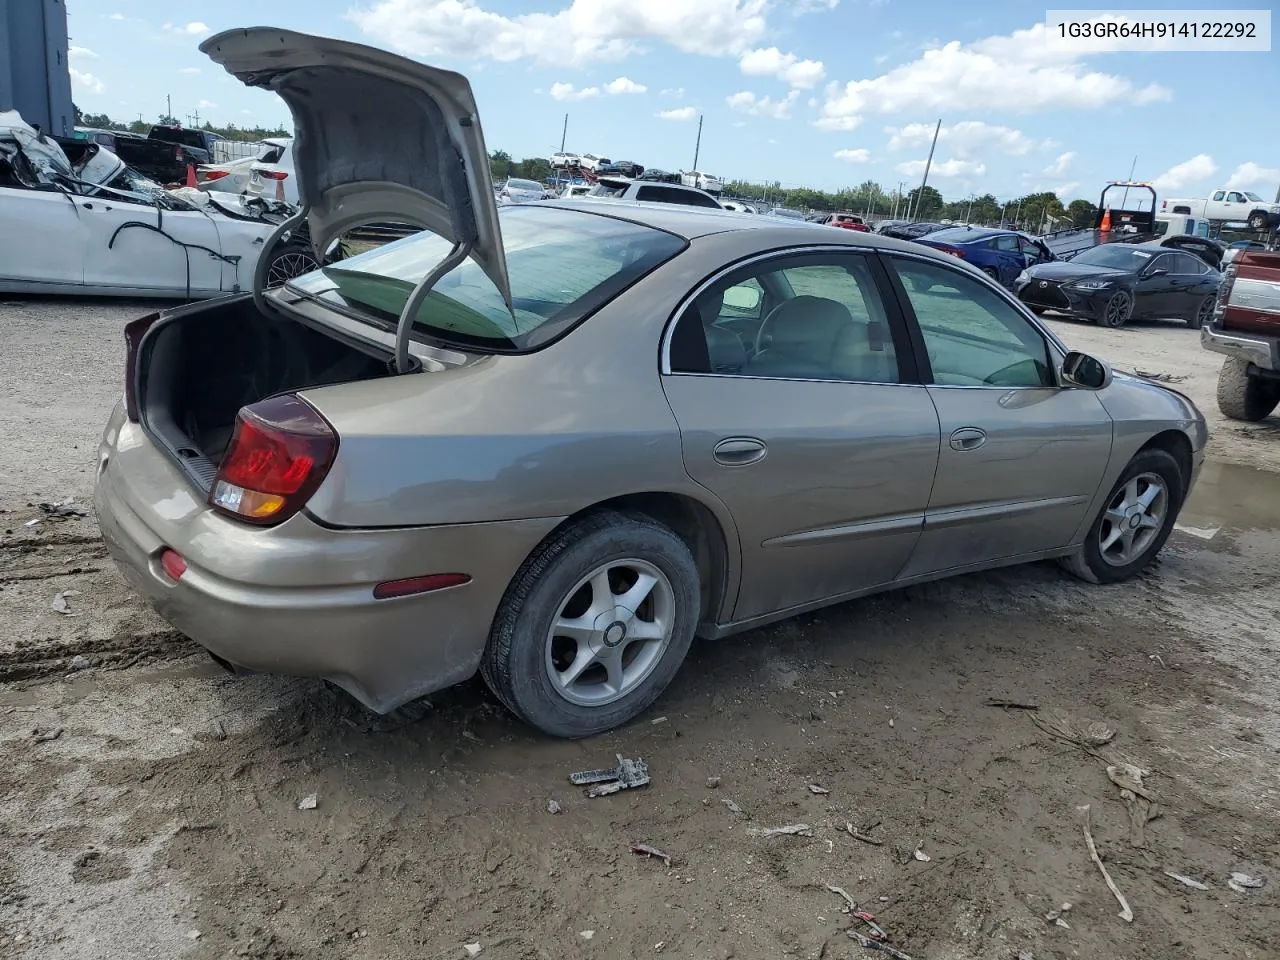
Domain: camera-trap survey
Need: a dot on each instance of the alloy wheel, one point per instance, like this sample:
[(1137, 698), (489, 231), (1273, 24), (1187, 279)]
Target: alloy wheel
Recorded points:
[(1205, 312), (1133, 519), (609, 632), (287, 266), (1118, 309)]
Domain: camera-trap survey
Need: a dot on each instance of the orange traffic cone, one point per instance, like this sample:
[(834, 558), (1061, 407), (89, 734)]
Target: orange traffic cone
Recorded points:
[(191, 175), (1105, 226)]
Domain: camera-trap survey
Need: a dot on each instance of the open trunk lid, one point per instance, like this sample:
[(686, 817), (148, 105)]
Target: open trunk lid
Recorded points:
[(377, 137)]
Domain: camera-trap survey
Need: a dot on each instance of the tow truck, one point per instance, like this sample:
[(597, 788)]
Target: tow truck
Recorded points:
[(1118, 224)]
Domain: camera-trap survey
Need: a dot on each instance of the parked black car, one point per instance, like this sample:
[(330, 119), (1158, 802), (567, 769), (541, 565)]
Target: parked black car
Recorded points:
[(1113, 283), (659, 176), (912, 231), (629, 168)]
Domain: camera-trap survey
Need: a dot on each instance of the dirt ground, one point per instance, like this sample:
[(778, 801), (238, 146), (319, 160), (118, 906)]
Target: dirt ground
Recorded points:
[(149, 804)]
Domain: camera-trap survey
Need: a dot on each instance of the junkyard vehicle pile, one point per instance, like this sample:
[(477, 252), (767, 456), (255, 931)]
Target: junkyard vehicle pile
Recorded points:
[(609, 577)]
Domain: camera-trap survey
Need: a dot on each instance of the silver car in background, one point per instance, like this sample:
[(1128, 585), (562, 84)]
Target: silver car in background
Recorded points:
[(553, 445), (521, 191)]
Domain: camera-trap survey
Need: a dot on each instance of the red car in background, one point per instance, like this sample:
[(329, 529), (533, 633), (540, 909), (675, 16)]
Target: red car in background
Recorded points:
[(846, 221)]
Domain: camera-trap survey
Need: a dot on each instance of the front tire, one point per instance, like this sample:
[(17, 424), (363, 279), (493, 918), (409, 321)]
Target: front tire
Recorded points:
[(1258, 220), (1135, 521), (1242, 397), (594, 625), (1118, 309)]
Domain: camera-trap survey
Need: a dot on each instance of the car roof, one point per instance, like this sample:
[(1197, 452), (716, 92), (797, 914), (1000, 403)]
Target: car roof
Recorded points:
[(694, 222)]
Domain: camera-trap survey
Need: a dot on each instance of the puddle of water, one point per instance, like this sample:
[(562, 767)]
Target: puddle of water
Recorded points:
[(1229, 495)]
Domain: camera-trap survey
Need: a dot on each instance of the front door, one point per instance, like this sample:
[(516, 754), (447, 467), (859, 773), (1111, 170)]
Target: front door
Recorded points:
[(135, 245), (43, 237), (791, 385), (1021, 458)]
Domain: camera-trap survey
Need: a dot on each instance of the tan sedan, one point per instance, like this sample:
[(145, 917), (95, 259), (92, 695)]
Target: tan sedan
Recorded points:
[(554, 445)]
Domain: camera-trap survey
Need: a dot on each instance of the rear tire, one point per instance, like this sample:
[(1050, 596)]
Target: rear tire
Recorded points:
[(1102, 558), (528, 664), (1204, 313), (992, 272), (289, 261), (1242, 397)]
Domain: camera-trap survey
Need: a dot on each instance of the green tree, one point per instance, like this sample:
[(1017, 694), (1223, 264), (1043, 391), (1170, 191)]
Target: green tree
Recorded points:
[(1037, 208), (925, 204), (1081, 213), (533, 168), (500, 164)]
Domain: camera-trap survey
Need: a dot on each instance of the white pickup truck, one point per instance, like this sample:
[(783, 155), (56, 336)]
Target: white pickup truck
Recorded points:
[(1227, 205)]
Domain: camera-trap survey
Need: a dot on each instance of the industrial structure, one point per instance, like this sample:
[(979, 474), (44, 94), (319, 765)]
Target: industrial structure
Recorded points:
[(35, 78)]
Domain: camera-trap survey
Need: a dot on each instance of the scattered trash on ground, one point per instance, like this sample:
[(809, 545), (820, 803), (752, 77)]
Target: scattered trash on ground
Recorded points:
[(1204, 533), (790, 830), (79, 662), (193, 934), (657, 720), (65, 510), (713, 782), (1156, 657), (1158, 376), (44, 735), (627, 775), (60, 604), (1088, 735), (1137, 800), (651, 852), (814, 788), (733, 807), (862, 835), (1186, 881), (1242, 882), (553, 806), (851, 904), (1010, 704), (1125, 913), (870, 944), (309, 802), (473, 949), (1026, 955), (1055, 916), (586, 934), (468, 735), (921, 855)]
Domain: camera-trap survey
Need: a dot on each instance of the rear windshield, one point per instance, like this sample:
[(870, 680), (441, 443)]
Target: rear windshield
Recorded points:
[(956, 235), (608, 188), (271, 153), (563, 265), (524, 185), (188, 138)]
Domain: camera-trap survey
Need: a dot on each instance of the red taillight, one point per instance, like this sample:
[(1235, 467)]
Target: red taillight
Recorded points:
[(274, 174), (1224, 292), (279, 454), (954, 251), (173, 564), (133, 334), (215, 174), (411, 585)]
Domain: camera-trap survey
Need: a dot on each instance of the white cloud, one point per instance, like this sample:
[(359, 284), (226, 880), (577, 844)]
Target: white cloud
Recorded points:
[(744, 101), (1061, 165), (861, 155), (189, 71), (944, 168), (837, 123), (195, 28), (1250, 175), (677, 92), (116, 16), (581, 33), (567, 91), (1027, 71), (772, 62), (800, 7), (1067, 189), (624, 85), (679, 113), (963, 138), (81, 53), (739, 123), (206, 105), (86, 81), (1200, 167)]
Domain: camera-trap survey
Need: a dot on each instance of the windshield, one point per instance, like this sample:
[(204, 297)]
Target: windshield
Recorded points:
[(563, 265), (1253, 196), (1114, 257), (524, 185)]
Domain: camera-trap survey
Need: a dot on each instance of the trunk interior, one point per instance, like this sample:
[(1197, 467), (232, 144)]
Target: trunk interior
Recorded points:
[(198, 370)]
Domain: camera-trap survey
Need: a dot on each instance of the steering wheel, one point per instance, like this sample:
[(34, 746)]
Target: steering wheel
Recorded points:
[(760, 344)]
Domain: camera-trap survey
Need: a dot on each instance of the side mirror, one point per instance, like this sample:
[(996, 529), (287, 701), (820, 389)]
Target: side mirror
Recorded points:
[(1086, 372), (742, 298), (1157, 272)]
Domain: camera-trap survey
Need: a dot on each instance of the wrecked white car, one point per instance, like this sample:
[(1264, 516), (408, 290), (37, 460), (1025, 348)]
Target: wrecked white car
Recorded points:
[(78, 220)]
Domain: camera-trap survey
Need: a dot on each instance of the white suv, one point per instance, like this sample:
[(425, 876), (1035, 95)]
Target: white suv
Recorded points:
[(620, 188)]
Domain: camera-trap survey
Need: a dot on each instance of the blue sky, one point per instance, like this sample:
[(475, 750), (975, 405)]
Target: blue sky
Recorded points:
[(822, 93)]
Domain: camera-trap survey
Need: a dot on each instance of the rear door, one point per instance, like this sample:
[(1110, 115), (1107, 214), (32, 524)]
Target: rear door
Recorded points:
[(1020, 458), (793, 387)]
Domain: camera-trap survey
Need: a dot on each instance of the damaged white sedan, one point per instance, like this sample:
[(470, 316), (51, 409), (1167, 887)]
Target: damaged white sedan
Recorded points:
[(78, 220)]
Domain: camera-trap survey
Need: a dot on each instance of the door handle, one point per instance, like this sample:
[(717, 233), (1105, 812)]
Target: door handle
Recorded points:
[(87, 206), (968, 438), (739, 451)]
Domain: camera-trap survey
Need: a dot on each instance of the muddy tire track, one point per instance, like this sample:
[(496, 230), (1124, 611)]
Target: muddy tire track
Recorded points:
[(118, 652)]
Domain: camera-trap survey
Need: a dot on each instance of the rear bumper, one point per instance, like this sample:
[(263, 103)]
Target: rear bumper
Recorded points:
[(298, 599), (1262, 352)]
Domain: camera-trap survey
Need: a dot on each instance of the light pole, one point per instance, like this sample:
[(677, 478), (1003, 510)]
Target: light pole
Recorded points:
[(924, 181)]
